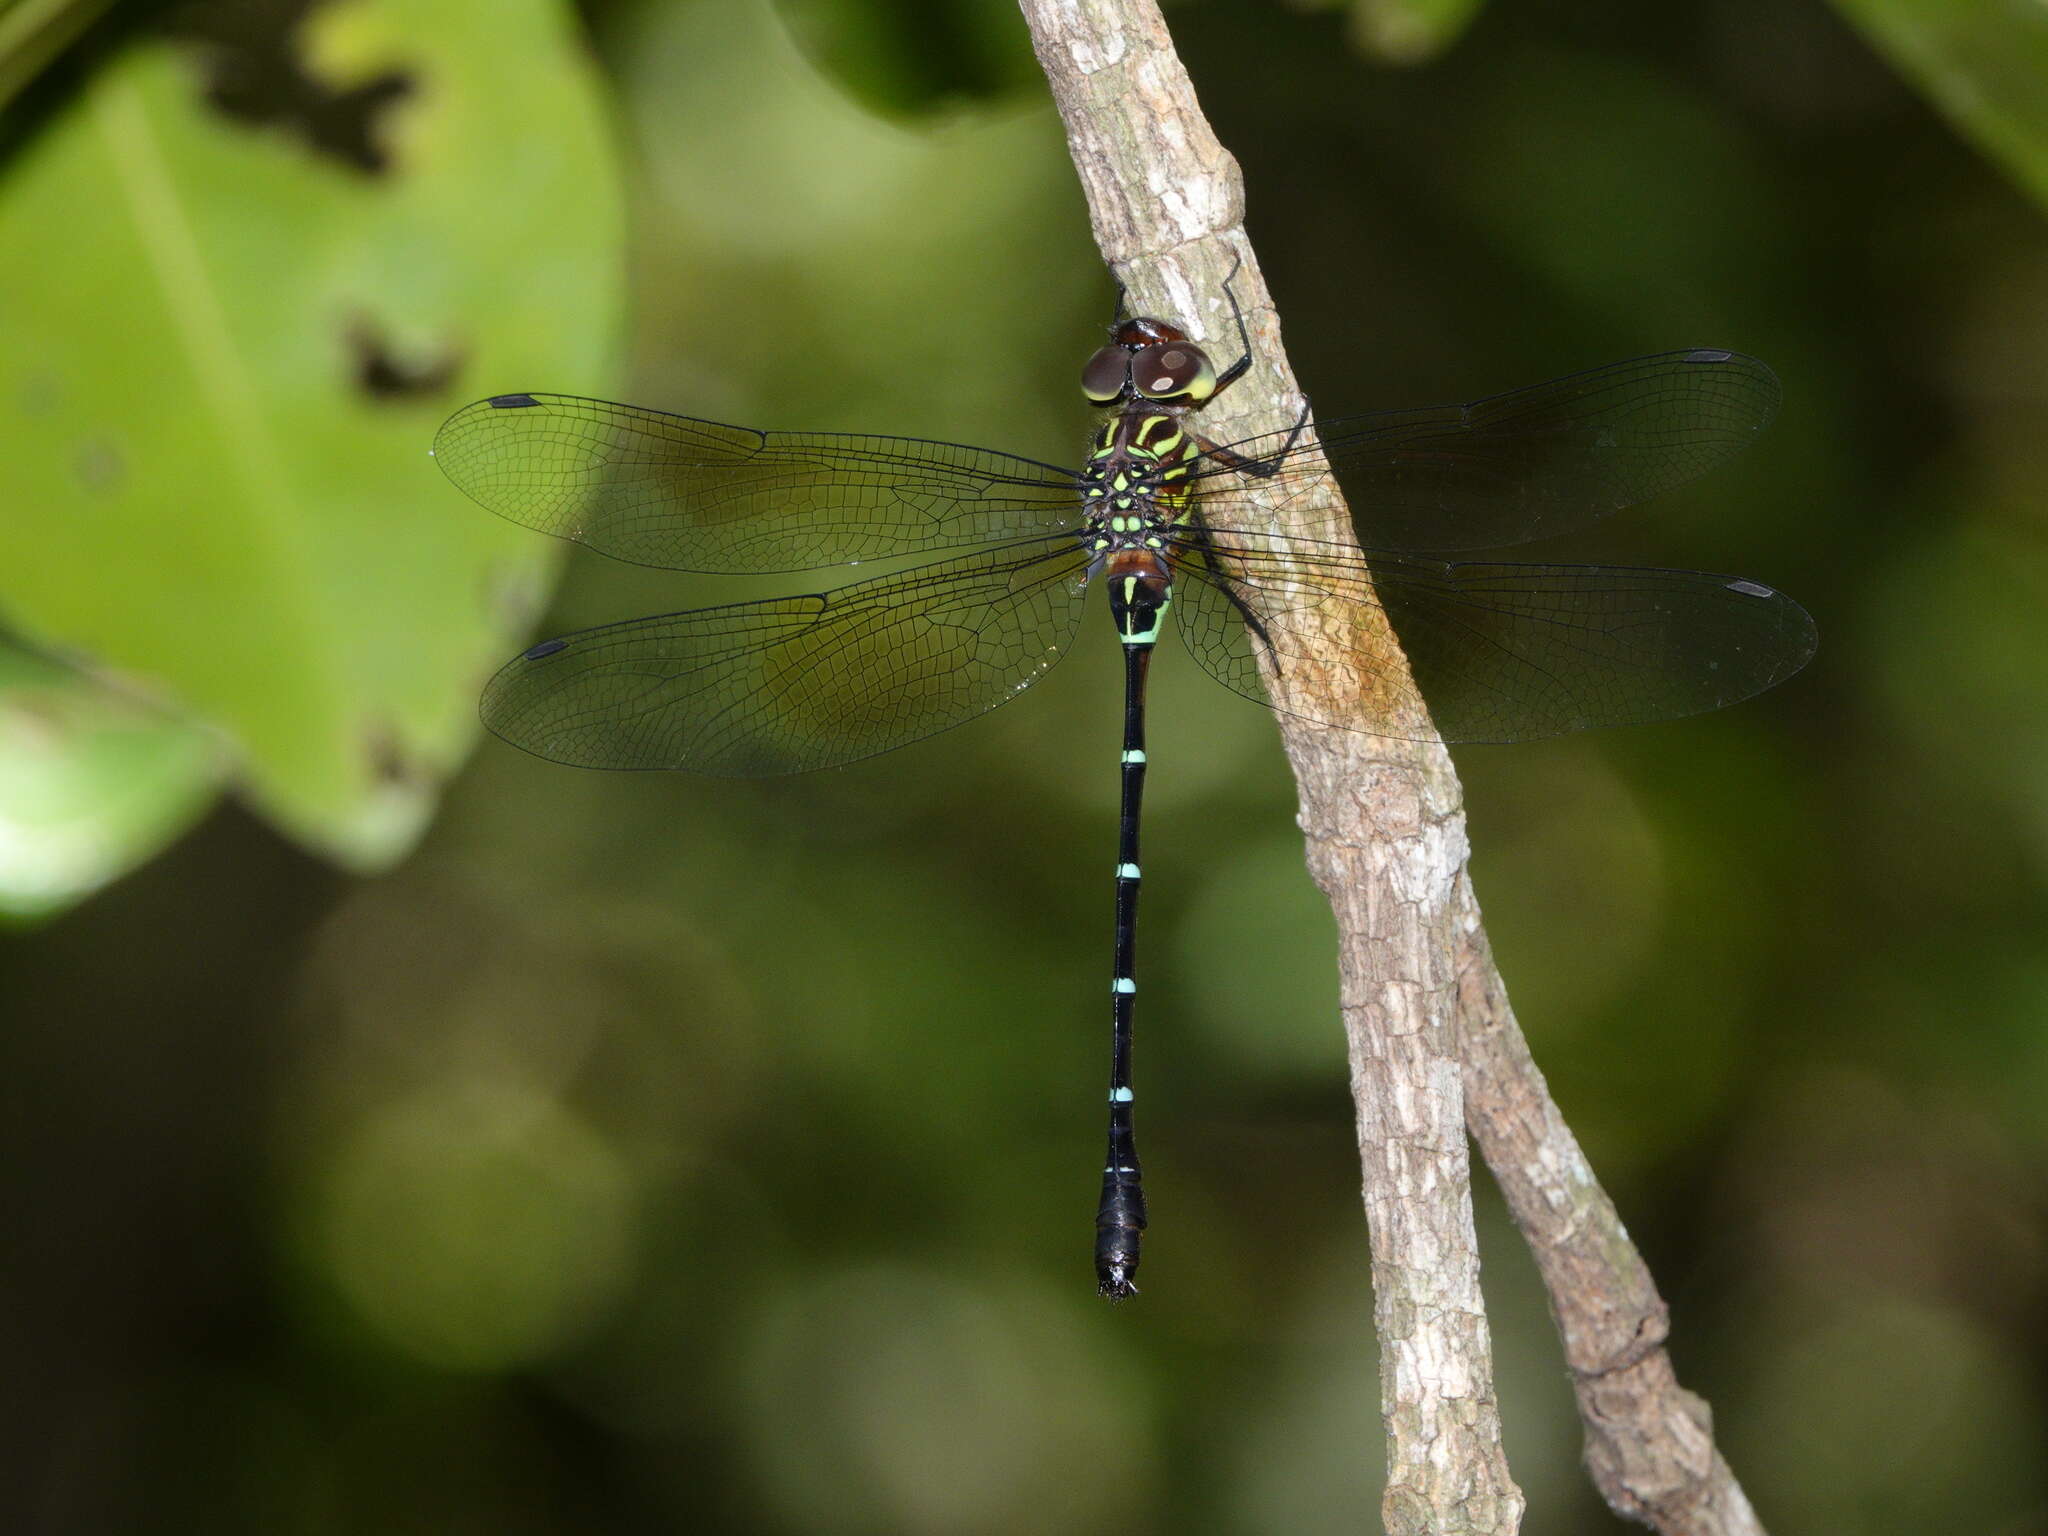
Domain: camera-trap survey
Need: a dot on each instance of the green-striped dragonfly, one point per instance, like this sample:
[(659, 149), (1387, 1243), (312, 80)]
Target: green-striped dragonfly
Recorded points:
[(1157, 514)]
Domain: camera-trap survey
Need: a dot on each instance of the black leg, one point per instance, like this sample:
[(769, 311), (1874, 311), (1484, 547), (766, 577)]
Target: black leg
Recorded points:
[(1270, 464), (1203, 540), (1242, 366), (1263, 468)]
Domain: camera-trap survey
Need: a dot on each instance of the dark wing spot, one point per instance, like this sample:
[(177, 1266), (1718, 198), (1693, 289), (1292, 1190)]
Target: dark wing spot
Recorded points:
[(545, 648), (512, 402)]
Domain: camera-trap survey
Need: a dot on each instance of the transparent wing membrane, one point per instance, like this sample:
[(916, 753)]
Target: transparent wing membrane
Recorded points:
[(689, 495), (1530, 464), (1500, 652), (796, 683)]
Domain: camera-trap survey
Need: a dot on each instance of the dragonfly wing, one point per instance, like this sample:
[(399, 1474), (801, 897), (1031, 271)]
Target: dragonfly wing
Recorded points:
[(1530, 464), (795, 683), (1230, 622), (683, 494), (1508, 652)]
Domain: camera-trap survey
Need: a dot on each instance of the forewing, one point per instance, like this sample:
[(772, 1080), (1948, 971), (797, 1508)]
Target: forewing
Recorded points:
[(796, 683), (691, 495), (1502, 652), (1530, 464)]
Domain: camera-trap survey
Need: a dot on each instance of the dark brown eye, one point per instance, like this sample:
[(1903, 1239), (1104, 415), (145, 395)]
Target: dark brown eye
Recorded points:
[(1107, 372), (1171, 370)]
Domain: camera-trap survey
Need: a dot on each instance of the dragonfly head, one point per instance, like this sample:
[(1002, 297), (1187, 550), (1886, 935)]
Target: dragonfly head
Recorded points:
[(1149, 360)]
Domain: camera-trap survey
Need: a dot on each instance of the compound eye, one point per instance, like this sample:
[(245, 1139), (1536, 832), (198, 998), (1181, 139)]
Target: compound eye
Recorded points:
[(1107, 374), (1173, 370)]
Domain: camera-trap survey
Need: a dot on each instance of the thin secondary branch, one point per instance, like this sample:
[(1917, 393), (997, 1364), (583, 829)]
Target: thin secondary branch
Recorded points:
[(1649, 1442), (1384, 829), (1433, 1042)]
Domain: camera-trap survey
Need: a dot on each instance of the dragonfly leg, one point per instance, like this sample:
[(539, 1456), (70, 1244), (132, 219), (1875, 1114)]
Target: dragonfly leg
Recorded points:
[(1263, 468), (1242, 366), (1203, 539), (1237, 370)]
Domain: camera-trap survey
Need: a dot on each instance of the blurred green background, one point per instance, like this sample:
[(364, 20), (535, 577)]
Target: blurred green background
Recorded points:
[(401, 1134)]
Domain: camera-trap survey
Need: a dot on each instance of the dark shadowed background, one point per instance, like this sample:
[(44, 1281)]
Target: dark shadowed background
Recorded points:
[(419, 1137)]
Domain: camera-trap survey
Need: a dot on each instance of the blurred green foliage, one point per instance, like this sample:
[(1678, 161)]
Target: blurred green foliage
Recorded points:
[(1983, 62), (90, 782), (33, 32), (218, 416), (1410, 31), (651, 1153), (916, 58)]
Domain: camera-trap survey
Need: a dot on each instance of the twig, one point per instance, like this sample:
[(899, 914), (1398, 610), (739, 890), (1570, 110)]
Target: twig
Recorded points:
[(1649, 1442), (1385, 835), (1433, 1043)]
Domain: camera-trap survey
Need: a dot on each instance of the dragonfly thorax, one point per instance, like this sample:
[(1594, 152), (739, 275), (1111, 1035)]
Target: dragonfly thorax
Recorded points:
[(1135, 486)]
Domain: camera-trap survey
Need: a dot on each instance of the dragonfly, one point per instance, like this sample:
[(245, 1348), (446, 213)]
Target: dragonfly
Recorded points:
[(1159, 518)]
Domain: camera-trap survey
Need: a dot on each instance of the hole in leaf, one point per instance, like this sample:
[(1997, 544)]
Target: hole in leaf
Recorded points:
[(256, 73), (385, 370)]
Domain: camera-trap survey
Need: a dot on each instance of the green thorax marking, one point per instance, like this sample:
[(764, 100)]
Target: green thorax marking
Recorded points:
[(1140, 464)]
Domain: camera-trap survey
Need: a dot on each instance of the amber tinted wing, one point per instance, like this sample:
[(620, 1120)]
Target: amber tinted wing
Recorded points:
[(691, 495), (796, 683)]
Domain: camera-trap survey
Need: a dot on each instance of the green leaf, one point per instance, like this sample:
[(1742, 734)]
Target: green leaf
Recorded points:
[(1410, 31), (1983, 62), (228, 344), (92, 783)]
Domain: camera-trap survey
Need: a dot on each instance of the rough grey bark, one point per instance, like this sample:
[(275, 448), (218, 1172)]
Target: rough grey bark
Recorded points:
[(1433, 1044)]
